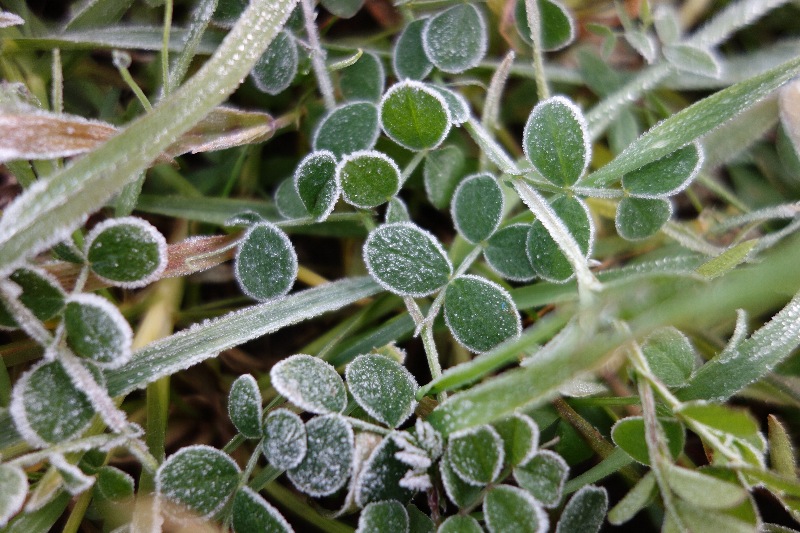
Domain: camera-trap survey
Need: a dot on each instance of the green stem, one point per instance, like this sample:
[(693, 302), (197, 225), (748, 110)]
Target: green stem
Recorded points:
[(78, 512), (433, 358), (535, 27), (165, 47), (121, 61), (201, 16), (57, 83), (317, 55)]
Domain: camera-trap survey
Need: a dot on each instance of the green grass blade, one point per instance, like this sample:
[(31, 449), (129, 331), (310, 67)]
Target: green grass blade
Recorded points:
[(96, 13)]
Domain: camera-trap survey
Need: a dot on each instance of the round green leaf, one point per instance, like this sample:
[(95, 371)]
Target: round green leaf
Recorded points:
[(252, 514), (629, 435), (520, 436), (670, 355), (383, 516), (364, 79), (41, 294), (703, 490), (13, 489), (97, 330), (408, 59), (640, 218), (368, 178), (479, 313), (396, 211), (557, 27), (113, 484), (476, 454), (456, 104), (326, 465), (127, 252), (310, 383), (460, 524), (348, 128), (244, 406), (511, 509), (198, 478), (73, 479), (556, 141), (505, 253), (419, 522), (585, 511), (288, 202), (266, 263), (406, 260), (477, 207), (343, 8), (277, 66), (456, 39), (666, 176), (545, 256), (285, 442), (414, 116), (544, 477), (47, 407), (382, 387), (443, 170), (317, 183), (380, 476), (460, 492)]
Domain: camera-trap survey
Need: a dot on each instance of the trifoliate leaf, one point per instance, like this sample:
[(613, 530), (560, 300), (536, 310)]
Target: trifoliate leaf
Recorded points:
[(544, 477), (585, 511), (443, 170), (545, 255), (703, 490), (476, 454), (505, 253), (351, 127), (456, 39), (640, 218), (383, 516), (406, 260), (13, 489), (317, 183), (380, 476), (285, 442), (288, 201), (252, 514), (244, 406), (326, 465), (343, 8), (277, 66), (666, 176), (41, 294), (414, 115), (127, 252), (409, 60), (507, 508), (557, 27), (520, 436), (456, 104), (629, 435), (96, 330), (368, 178), (670, 355), (364, 79), (477, 207), (382, 387), (266, 263), (310, 383)]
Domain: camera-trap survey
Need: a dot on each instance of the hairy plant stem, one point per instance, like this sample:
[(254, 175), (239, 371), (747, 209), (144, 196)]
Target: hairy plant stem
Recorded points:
[(433, 357), (165, 81), (535, 27), (317, 55), (57, 83)]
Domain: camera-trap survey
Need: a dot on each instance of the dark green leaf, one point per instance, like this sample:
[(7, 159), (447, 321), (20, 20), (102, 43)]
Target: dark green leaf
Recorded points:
[(380, 476), (557, 27), (477, 207), (520, 436), (415, 116), (317, 183), (368, 178), (382, 387), (418, 521), (666, 176), (349, 128), (113, 484), (409, 60), (476, 455), (456, 104), (459, 491), (326, 465), (128, 252), (545, 255), (505, 253), (456, 39), (277, 66), (640, 218), (585, 511), (244, 406), (285, 443), (442, 172), (266, 263), (544, 477), (460, 524), (288, 202), (396, 211), (252, 514), (383, 516), (671, 356), (96, 330), (41, 294), (511, 509), (364, 79), (310, 383), (629, 434)]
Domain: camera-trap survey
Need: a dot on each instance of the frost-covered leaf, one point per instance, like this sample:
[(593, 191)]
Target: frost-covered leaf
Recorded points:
[(383, 516), (460, 524), (505, 253), (288, 202), (244, 406), (368, 178), (667, 24), (693, 59), (703, 490), (585, 511), (326, 465), (310, 383), (127, 252), (364, 79), (557, 27), (13, 489), (477, 207), (266, 263), (781, 451), (113, 484), (640, 218), (479, 313), (285, 442), (459, 491), (544, 477), (380, 476), (456, 39), (726, 421), (457, 105), (556, 140), (406, 260), (727, 260), (252, 514), (351, 127), (666, 176), (634, 501), (199, 478), (396, 211), (520, 436), (74, 480), (670, 355), (277, 66), (442, 172), (629, 434), (476, 454), (343, 8), (408, 59), (41, 294), (545, 255), (96, 330), (414, 115), (382, 387), (317, 183), (507, 508), (643, 43)]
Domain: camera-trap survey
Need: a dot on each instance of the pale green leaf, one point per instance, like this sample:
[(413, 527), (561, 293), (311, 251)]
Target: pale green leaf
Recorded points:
[(13, 489), (326, 465), (456, 39), (585, 511), (781, 450), (511, 509), (670, 355), (629, 434), (634, 501), (368, 178), (244, 406), (310, 383), (703, 490), (382, 387), (727, 260), (285, 441), (693, 59), (343, 8)]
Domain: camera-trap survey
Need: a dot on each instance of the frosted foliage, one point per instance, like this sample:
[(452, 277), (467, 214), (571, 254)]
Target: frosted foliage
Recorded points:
[(326, 465), (285, 442), (505, 253), (419, 449), (47, 408), (349, 128), (266, 263), (476, 454), (692, 59), (128, 252), (460, 524), (381, 476), (409, 59), (75, 481), (368, 178), (396, 211), (585, 511), (41, 294), (97, 330), (414, 115), (670, 355), (640, 218), (477, 207), (443, 169), (13, 488), (520, 436), (317, 183), (383, 388), (363, 80), (457, 104), (460, 493), (666, 176), (251, 513), (456, 39), (200, 478), (406, 260), (277, 66), (309, 383), (244, 406), (288, 201), (511, 509), (387, 516), (544, 477)]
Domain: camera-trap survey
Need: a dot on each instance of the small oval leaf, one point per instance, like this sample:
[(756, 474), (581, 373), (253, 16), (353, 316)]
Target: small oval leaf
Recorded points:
[(382, 387), (383, 516), (252, 514), (640, 218), (368, 178), (266, 263), (456, 104), (244, 406), (557, 27), (408, 59), (414, 115), (348, 128), (520, 436), (509, 508), (670, 355), (629, 435), (364, 79), (460, 524), (693, 59), (544, 477), (326, 465), (476, 454), (317, 183), (96, 330), (380, 476), (406, 260), (310, 383), (285, 441), (666, 176), (477, 207), (443, 170), (288, 201), (460, 492), (703, 490), (13, 489), (41, 294), (396, 211), (128, 252), (585, 511), (505, 253), (479, 313), (456, 39), (276, 68)]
